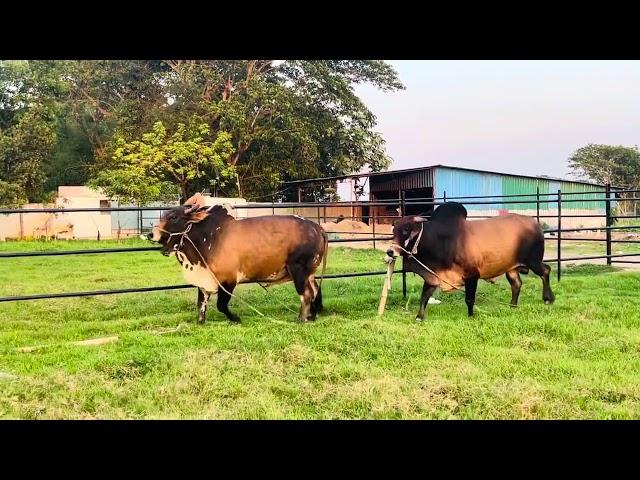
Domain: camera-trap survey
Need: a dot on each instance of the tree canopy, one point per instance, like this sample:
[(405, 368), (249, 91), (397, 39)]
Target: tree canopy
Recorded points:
[(615, 165), (233, 127), (607, 164)]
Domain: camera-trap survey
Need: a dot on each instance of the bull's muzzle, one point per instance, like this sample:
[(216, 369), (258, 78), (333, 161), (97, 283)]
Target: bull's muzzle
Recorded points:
[(391, 256), (154, 235)]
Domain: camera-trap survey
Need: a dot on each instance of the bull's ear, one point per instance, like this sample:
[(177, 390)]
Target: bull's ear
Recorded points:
[(198, 216), (194, 203)]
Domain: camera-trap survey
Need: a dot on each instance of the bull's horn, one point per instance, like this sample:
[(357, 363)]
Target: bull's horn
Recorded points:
[(420, 219)]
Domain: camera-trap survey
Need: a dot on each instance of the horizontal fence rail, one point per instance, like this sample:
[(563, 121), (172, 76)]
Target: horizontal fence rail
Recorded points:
[(161, 288), (399, 205)]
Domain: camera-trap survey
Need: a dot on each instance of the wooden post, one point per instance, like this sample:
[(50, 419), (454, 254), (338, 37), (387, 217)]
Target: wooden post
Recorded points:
[(386, 286), (21, 227), (299, 194)]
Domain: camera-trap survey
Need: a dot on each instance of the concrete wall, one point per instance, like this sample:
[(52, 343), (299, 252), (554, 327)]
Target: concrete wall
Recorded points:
[(81, 225), (86, 225)]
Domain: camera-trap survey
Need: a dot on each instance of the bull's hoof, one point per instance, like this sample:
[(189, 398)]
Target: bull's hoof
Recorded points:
[(418, 319), (234, 319), (548, 302)]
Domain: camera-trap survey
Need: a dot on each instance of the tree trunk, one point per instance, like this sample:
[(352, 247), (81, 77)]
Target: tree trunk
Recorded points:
[(238, 183), (183, 192)]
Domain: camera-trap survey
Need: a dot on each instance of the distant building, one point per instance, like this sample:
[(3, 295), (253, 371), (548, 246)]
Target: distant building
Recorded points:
[(63, 225), (508, 192)]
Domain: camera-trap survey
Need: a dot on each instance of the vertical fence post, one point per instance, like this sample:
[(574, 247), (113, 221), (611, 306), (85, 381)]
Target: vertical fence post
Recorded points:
[(608, 223), (444, 196), (404, 269), (372, 218), (559, 231), (318, 215), (21, 226), (538, 204)]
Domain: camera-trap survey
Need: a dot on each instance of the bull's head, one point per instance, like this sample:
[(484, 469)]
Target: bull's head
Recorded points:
[(175, 221), (405, 234)]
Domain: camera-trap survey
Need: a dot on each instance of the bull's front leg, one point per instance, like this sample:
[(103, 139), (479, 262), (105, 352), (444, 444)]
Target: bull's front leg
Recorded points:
[(470, 286), (427, 291), (203, 300)]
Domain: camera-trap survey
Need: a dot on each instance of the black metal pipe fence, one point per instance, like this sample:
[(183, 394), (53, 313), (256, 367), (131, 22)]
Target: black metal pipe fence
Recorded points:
[(401, 203)]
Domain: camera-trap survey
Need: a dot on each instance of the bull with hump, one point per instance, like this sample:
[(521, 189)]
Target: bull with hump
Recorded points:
[(216, 252), (457, 252)]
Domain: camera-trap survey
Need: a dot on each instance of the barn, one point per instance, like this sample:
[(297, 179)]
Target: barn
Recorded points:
[(447, 182)]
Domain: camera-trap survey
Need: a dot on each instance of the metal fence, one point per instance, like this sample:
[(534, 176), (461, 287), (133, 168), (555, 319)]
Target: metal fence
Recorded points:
[(401, 205)]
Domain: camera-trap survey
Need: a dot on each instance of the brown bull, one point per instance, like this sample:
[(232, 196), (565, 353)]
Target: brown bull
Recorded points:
[(216, 252), (457, 252)]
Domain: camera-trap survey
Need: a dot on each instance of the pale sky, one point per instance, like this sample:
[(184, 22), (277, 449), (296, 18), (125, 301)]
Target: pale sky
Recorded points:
[(522, 117)]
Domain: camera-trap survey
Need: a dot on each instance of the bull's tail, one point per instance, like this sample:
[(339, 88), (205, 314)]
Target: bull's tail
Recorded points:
[(325, 236)]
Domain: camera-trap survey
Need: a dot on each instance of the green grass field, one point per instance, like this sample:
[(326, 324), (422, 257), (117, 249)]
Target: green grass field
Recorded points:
[(579, 358)]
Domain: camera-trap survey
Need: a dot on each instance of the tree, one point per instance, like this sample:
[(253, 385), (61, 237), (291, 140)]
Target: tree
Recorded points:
[(287, 121), (27, 123), (140, 170), (608, 164), (111, 98), (23, 149), (297, 120), (11, 195)]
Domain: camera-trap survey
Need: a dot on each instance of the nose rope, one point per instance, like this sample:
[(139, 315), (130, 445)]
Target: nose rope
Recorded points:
[(414, 250)]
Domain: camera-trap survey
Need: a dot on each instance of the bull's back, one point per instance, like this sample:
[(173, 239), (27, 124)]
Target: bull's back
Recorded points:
[(259, 247), (500, 244)]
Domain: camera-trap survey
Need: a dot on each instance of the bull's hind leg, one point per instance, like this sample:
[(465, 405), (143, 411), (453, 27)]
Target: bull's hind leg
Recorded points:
[(301, 281), (203, 300), (513, 276), (307, 288), (543, 271), (223, 301), (317, 302), (427, 291)]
